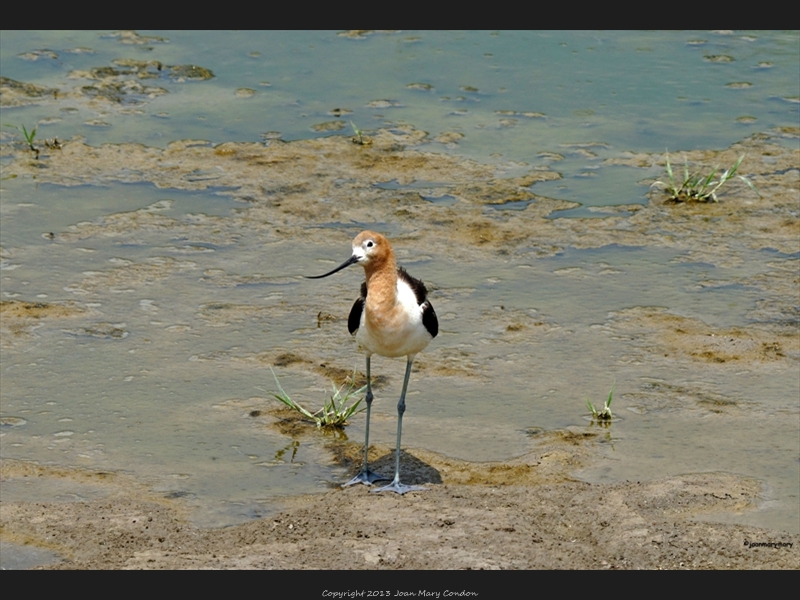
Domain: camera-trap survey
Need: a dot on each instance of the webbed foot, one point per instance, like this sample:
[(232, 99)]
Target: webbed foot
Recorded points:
[(399, 488), (366, 477)]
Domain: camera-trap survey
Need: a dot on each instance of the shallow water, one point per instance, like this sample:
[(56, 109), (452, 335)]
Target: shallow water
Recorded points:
[(660, 77), (159, 378), (531, 97), (160, 374)]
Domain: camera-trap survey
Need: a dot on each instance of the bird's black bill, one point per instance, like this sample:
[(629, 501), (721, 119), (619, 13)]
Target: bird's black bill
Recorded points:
[(350, 261)]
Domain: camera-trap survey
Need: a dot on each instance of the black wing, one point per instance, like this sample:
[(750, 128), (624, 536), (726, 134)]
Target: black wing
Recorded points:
[(429, 319), (420, 291), (354, 320)]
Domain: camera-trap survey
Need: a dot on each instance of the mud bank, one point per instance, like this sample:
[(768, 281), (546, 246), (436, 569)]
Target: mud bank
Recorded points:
[(522, 514)]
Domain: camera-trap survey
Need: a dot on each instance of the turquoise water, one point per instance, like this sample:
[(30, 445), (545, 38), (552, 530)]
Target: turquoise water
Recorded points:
[(169, 401), (631, 90), (511, 94)]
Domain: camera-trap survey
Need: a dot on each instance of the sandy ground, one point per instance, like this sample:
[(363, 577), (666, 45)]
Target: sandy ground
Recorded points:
[(522, 514)]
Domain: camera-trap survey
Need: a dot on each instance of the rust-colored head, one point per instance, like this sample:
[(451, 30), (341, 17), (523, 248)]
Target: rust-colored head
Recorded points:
[(372, 251)]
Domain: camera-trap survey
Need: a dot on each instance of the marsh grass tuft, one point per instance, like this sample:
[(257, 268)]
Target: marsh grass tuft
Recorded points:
[(29, 137), (603, 415), (339, 407), (359, 139), (696, 187)]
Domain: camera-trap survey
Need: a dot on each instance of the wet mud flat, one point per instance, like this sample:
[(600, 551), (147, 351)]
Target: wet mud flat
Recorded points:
[(529, 512), (522, 514)]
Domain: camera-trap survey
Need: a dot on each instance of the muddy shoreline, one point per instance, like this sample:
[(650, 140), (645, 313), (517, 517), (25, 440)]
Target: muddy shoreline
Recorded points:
[(530, 512)]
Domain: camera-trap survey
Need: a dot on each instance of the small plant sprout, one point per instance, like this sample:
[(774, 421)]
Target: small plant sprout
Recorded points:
[(696, 187), (605, 414), (29, 137), (359, 139), (336, 410)]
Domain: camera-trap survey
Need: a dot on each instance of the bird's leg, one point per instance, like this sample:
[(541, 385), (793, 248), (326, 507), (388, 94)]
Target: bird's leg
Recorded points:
[(396, 486), (366, 476)]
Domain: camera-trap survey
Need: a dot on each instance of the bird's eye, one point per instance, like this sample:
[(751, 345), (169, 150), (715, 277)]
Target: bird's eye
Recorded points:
[(370, 243)]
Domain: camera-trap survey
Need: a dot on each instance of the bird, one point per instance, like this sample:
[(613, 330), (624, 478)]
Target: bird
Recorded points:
[(392, 317)]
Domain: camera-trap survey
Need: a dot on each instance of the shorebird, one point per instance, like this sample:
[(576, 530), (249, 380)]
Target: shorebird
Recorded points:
[(392, 317)]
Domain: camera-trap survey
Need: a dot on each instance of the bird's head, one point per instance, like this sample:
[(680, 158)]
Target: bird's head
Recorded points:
[(370, 250)]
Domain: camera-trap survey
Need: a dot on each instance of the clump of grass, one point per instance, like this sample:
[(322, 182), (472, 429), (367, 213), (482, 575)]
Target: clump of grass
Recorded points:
[(337, 408), (359, 139), (696, 187), (603, 415), (29, 137)]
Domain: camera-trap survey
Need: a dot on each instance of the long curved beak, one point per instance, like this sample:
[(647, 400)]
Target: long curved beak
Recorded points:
[(350, 261)]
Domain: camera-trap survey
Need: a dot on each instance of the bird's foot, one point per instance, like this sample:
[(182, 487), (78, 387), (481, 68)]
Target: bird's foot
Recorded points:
[(399, 488), (366, 477)]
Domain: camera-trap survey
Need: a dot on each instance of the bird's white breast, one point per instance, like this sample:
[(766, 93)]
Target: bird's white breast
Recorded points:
[(401, 331)]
